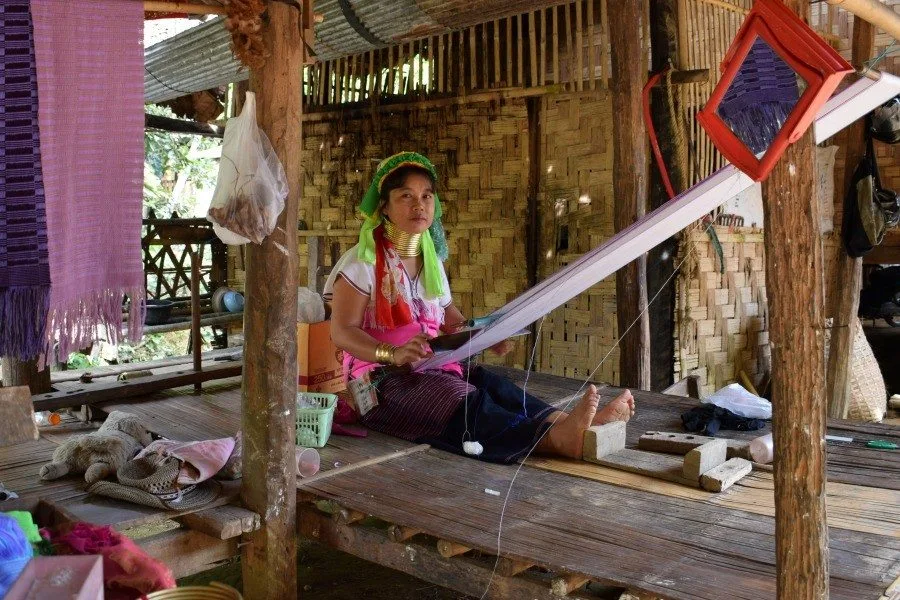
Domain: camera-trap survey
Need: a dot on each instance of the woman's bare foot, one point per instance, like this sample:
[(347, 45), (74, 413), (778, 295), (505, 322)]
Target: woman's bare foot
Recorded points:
[(620, 408), (566, 437)]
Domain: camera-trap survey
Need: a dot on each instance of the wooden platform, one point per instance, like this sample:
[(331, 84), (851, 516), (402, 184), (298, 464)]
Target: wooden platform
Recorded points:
[(573, 521)]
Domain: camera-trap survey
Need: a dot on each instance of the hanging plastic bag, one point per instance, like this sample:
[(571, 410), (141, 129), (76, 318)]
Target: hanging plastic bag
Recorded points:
[(252, 185)]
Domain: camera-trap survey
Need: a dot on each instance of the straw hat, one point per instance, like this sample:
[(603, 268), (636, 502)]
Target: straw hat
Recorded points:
[(152, 481)]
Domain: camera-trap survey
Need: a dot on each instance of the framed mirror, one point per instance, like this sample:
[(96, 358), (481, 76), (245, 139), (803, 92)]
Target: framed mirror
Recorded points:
[(776, 75)]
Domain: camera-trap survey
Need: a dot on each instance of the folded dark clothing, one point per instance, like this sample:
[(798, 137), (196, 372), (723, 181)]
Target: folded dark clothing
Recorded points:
[(708, 419)]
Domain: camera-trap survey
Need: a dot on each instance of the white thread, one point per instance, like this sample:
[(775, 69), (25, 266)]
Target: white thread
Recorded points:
[(559, 412)]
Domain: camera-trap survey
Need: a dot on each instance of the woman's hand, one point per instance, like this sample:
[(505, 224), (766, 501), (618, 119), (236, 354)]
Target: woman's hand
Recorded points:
[(503, 348), (413, 350)]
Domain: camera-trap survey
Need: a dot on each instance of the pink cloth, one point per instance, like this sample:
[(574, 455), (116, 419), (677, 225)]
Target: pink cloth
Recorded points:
[(128, 571), (90, 72), (199, 460)]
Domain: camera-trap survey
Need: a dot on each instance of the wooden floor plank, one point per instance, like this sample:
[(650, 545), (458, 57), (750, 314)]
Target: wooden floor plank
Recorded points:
[(674, 547)]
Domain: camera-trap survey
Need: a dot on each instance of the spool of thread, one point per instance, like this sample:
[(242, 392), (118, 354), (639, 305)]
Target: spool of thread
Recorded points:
[(762, 450), (15, 552)]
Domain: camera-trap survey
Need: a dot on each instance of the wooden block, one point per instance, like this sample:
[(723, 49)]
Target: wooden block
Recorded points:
[(508, 567), (16, 416), (223, 522), (347, 516), (703, 458), (725, 475), (602, 440), (660, 466), (399, 533), (673, 443), (448, 549), (682, 443), (566, 584)]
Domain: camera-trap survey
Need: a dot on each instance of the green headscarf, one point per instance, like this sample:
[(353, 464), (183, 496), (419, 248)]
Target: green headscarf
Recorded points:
[(434, 241)]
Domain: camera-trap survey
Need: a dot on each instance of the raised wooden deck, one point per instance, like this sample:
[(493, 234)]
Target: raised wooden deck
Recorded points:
[(573, 521)]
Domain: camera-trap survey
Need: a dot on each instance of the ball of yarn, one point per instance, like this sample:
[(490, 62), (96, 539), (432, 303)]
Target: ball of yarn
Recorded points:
[(15, 552), (473, 448)]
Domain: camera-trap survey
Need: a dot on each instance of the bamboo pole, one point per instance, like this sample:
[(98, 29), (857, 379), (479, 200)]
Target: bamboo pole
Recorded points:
[(873, 11), (496, 25), (195, 318), (555, 10), (510, 78), (590, 24), (520, 67), (532, 46), (579, 46), (190, 8), (473, 59), (846, 280)]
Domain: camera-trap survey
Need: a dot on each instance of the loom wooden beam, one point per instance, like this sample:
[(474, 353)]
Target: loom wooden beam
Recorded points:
[(190, 8), (630, 186), (795, 284), (16, 419), (181, 126), (268, 406), (846, 280), (95, 393)]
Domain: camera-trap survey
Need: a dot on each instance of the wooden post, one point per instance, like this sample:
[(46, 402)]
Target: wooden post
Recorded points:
[(630, 163), (196, 350), (24, 372), (846, 280), (269, 560), (664, 40), (794, 283)]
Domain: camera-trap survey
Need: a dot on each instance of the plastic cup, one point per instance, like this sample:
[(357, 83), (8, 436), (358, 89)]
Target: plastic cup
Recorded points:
[(308, 461)]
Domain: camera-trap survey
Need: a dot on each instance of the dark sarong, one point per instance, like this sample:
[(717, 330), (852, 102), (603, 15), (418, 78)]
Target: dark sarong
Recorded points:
[(499, 415)]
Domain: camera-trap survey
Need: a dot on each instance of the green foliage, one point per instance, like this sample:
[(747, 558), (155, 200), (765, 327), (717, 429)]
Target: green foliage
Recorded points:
[(168, 156)]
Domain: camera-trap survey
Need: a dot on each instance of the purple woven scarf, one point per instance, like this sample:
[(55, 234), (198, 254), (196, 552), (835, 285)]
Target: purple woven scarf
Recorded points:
[(90, 72), (24, 264)]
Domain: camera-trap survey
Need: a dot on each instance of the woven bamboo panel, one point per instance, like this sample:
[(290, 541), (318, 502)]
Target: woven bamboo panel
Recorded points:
[(721, 310), (480, 152), (576, 212)]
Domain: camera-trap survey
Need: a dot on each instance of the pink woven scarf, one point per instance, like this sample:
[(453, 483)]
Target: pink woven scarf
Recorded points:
[(90, 73)]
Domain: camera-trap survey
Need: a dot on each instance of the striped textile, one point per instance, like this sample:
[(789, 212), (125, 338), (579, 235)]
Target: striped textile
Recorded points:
[(90, 74), (24, 264), (417, 405)]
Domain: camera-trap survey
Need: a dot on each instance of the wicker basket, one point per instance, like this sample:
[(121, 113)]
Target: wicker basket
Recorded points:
[(213, 591), (314, 424), (868, 394)]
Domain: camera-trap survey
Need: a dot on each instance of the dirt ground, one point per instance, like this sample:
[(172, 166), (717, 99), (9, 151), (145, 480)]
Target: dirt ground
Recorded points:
[(326, 574)]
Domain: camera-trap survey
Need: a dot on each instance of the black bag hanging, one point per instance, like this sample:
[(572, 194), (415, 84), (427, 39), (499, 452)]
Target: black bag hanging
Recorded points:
[(869, 209), (885, 125)]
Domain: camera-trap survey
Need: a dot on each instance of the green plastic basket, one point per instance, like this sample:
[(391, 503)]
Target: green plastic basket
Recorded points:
[(314, 424)]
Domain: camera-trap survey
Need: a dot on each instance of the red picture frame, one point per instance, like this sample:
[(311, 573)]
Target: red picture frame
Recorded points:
[(799, 47)]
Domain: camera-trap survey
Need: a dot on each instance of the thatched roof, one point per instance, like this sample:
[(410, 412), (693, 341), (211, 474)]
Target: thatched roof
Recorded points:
[(200, 58)]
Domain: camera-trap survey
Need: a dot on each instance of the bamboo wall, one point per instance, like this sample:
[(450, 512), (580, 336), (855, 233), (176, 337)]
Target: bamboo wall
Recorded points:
[(721, 310)]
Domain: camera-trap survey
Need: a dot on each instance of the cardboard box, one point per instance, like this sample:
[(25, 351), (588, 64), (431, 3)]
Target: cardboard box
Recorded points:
[(319, 366), (63, 577)]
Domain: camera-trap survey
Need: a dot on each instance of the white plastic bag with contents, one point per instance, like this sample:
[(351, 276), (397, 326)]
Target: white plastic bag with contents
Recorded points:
[(741, 402), (252, 185)]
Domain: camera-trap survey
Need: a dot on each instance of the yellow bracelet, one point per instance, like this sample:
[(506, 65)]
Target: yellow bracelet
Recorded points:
[(384, 354)]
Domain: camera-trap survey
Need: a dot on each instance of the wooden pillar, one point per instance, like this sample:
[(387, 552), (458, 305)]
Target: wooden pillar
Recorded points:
[(269, 561), (668, 123), (794, 285), (630, 167), (24, 372), (846, 280)]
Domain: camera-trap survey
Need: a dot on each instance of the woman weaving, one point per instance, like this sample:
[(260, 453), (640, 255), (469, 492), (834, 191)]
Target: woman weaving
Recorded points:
[(390, 295)]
